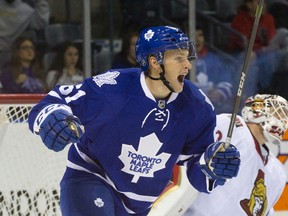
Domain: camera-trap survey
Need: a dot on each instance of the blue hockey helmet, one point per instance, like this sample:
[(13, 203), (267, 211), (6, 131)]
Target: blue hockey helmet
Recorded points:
[(156, 40)]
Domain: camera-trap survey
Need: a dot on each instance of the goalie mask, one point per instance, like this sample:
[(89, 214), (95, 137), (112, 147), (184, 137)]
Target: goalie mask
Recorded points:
[(156, 40), (271, 112)]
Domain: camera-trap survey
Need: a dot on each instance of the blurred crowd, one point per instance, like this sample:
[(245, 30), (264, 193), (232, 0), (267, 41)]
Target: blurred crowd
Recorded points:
[(26, 68)]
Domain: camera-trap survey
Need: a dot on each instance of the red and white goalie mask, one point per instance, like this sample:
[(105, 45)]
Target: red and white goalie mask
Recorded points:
[(271, 112)]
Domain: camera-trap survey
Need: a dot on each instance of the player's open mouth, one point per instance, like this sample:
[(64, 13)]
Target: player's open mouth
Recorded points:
[(181, 78)]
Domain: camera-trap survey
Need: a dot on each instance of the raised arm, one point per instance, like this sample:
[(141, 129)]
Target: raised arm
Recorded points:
[(41, 15)]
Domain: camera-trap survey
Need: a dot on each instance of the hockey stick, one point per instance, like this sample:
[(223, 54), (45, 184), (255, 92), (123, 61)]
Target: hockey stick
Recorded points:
[(244, 72)]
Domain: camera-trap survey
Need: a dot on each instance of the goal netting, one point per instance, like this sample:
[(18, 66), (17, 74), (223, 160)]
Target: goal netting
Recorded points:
[(29, 173)]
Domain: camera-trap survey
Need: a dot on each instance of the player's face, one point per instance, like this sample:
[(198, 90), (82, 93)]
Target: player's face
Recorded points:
[(176, 66)]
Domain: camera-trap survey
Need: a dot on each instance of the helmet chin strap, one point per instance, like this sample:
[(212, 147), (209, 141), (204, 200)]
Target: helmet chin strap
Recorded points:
[(162, 78)]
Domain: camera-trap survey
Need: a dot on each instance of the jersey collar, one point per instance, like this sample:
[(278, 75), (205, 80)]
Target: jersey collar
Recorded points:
[(148, 93), (263, 151)]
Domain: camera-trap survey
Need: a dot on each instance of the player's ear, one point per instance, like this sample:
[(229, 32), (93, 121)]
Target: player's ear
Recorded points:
[(153, 63)]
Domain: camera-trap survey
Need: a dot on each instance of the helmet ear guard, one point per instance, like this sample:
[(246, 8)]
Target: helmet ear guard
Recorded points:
[(269, 111)]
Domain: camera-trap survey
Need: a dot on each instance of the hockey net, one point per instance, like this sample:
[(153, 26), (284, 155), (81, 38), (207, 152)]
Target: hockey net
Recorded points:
[(30, 173)]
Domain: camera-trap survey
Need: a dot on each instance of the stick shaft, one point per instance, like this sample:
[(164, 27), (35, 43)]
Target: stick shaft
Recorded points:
[(244, 72)]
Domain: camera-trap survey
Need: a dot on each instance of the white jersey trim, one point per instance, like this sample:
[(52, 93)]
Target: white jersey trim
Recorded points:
[(149, 94), (186, 158)]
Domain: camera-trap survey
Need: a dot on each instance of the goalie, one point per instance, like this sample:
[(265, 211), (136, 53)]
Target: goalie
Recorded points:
[(262, 178)]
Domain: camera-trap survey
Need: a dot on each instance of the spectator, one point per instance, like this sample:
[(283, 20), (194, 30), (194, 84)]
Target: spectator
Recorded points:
[(66, 68), (264, 58), (243, 23), (24, 73), (126, 58), (214, 74), (268, 38), (16, 17)]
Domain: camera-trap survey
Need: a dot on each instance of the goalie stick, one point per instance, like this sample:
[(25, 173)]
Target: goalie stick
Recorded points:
[(244, 72)]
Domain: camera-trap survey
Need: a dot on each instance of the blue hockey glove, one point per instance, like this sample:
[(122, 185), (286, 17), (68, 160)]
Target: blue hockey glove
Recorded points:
[(59, 129), (218, 163)]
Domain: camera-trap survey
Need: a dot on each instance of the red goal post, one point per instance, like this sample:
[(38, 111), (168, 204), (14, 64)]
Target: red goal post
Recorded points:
[(16, 107), (20, 98)]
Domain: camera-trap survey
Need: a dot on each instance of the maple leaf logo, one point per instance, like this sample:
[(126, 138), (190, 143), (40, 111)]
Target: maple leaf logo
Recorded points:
[(99, 202), (149, 34), (144, 162), (106, 78)]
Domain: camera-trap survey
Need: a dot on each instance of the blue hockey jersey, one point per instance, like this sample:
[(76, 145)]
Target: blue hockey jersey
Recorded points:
[(132, 140)]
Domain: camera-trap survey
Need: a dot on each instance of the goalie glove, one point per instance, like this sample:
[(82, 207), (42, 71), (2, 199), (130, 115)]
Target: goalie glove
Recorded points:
[(59, 129), (219, 164)]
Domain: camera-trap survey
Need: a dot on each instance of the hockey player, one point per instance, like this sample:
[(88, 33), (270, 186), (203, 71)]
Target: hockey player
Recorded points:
[(262, 178), (138, 124)]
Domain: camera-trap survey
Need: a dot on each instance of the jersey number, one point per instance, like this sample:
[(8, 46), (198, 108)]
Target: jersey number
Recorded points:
[(67, 89)]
